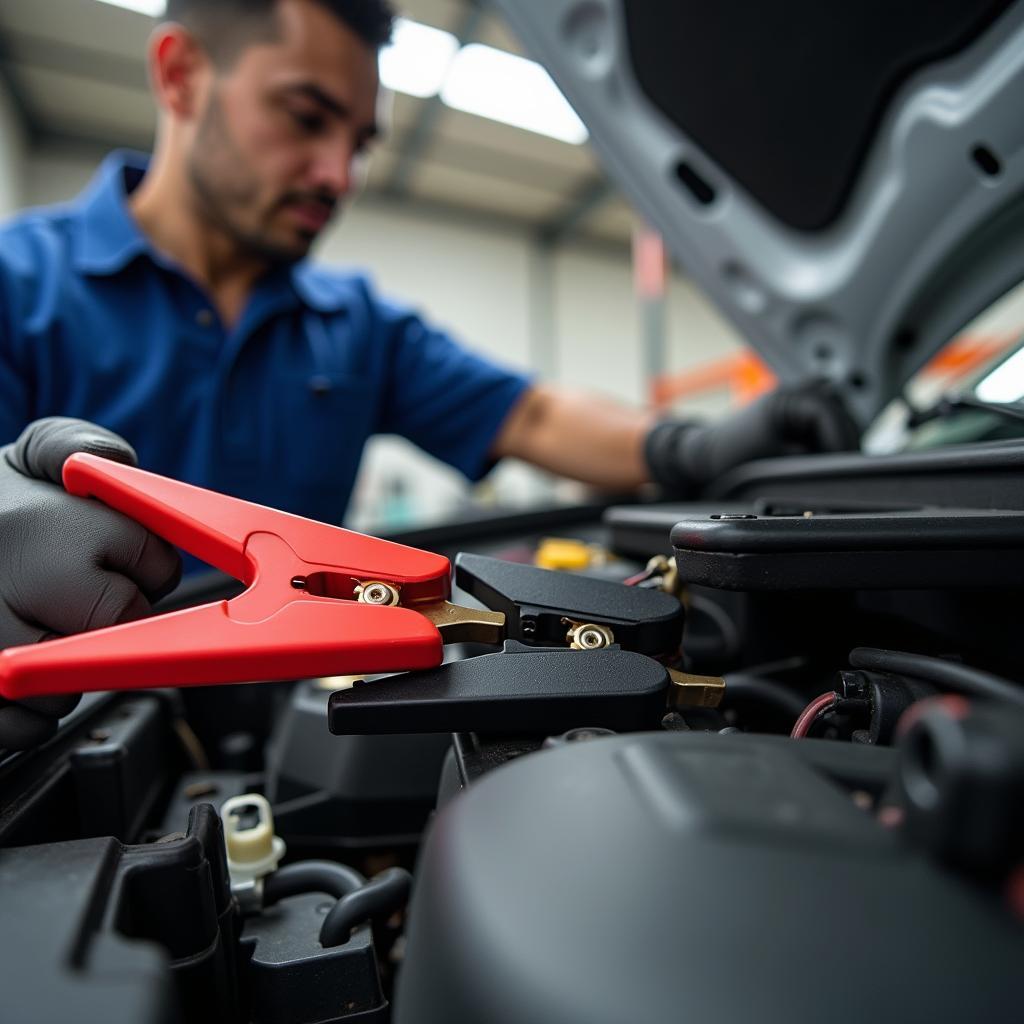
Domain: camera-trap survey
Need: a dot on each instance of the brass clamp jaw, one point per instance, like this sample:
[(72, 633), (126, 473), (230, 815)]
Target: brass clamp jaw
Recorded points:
[(690, 691), (455, 623)]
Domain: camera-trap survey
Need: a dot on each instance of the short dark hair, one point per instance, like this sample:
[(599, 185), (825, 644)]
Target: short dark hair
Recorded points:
[(226, 27)]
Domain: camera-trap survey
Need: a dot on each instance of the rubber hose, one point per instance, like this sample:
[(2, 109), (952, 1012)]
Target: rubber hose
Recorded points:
[(743, 686), (953, 674), (338, 880), (380, 897)]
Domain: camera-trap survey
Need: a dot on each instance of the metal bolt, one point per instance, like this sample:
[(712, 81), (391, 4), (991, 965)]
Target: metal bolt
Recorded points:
[(377, 593), (588, 637), (863, 800)]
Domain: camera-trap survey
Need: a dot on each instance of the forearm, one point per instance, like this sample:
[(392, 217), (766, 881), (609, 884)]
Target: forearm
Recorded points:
[(594, 440)]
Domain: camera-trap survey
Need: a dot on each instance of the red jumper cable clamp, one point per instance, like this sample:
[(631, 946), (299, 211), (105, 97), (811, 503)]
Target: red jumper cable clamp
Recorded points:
[(319, 601)]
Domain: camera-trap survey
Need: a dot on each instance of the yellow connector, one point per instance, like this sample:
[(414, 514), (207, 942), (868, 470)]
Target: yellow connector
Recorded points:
[(563, 553)]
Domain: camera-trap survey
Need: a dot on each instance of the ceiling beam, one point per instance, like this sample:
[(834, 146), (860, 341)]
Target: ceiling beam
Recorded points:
[(581, 206), (421, 132), (17, 51), (78, 61)]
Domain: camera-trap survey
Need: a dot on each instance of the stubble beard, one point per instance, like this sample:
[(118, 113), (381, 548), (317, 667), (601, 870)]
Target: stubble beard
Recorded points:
[(224, 191)]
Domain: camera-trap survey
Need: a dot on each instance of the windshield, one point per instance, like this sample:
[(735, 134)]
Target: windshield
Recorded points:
[(1005, 381), (973, 390)]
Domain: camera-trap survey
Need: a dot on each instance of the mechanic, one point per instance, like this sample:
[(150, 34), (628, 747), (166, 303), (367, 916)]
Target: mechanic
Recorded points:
[(172, 304)]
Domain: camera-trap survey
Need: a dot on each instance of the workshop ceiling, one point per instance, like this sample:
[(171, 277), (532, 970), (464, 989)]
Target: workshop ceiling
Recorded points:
[(76, 69)]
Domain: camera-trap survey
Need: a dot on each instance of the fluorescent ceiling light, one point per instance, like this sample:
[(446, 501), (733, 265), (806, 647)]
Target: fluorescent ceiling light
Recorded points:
[(1005, 383), (154, 8), (424, 61), (503, 87), (418, 58)]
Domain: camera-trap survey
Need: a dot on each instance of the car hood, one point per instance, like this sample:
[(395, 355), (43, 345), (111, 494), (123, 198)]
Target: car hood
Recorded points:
[(844, 180)]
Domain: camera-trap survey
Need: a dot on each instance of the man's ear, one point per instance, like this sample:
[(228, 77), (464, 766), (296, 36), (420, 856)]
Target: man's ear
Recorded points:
[(178, 67)]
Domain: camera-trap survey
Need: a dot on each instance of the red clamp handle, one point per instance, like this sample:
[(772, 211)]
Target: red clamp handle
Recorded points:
[(271, 631)]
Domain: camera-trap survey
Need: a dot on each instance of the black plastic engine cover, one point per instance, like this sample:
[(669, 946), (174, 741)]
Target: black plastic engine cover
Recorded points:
[(292, 979), (101, 933), (665, 877), (916, 548)]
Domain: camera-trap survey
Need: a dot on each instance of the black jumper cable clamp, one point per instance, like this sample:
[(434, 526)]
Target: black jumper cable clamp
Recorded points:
[(574, 650)]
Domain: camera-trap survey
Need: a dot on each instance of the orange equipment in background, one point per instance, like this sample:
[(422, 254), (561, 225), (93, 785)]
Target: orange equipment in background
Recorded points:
[(746, 376)]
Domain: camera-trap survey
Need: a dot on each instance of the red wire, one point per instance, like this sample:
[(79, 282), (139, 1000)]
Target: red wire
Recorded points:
[(640, 577), (810, 714)]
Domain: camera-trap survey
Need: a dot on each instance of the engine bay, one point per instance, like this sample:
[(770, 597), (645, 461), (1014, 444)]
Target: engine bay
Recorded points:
[(761, 758)]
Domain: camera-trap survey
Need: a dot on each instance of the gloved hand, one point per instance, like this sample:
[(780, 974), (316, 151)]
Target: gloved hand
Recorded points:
[(685, 457), (67, 564)]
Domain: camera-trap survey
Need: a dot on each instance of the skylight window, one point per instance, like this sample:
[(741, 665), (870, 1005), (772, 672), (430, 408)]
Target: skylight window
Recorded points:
[(154, 8), (423, 61), (418, 59), (503, 87), (1005, 383)]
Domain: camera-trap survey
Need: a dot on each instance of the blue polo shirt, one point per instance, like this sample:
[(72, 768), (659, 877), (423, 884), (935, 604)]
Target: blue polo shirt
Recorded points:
[(96, 323)]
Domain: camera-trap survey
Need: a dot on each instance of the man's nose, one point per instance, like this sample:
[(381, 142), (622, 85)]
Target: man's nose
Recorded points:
[(333, 168)]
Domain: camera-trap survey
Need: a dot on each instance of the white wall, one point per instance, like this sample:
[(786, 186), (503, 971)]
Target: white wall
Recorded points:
[(599, 330), (479, 281), (12, 153), (473, 283)]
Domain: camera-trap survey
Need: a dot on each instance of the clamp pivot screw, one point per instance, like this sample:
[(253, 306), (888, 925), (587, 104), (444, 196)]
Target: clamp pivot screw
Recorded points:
[(377, 593), (586, 636)]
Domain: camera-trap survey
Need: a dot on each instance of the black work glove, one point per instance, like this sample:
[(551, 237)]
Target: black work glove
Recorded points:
[(685, 457), (67, 564)]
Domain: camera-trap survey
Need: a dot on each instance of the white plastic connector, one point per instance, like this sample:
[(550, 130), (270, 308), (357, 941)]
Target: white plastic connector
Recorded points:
[(253, 849)]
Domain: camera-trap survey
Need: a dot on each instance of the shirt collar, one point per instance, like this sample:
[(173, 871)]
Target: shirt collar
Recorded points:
[(108, 238), (320, 290)]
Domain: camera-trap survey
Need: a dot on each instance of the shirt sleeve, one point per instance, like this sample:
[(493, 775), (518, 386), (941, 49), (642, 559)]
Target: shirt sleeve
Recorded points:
[(449, 401), (14, 404)]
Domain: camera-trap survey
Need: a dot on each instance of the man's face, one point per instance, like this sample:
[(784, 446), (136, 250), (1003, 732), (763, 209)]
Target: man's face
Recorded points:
[(281, 130)]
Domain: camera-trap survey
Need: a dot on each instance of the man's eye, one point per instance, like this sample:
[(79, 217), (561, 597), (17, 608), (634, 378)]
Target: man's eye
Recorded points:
[(311, 123)]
